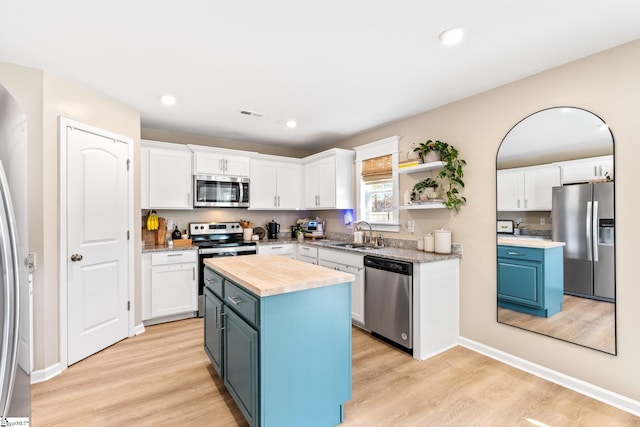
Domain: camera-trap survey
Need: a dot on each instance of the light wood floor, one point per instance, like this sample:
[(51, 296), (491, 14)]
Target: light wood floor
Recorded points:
[(163, 378), (583, 321)]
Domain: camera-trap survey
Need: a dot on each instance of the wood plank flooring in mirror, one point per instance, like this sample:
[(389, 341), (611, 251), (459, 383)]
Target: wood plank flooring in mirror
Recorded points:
[(583, 321), (163, 378)]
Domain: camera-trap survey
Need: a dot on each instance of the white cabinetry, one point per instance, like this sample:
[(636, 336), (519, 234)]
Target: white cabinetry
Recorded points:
[(169, 285), (328, 180), (308, 254), (286, 249), (165, 176), (348, 263), (527, 189), (585, 170), (275, 184), (220, 162)]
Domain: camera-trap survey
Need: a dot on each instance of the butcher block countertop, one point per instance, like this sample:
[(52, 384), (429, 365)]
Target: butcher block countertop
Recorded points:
[(530, 243), (267, 274)]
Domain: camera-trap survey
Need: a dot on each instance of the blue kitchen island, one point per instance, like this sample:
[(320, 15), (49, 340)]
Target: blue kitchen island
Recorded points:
[(278, 332)]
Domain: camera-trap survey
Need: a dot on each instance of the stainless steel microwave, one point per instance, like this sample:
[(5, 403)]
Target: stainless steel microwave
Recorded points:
[(220, 191)]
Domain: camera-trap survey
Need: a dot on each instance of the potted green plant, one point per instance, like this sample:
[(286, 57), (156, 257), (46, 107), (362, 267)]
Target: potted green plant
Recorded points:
[(427, 151), (427, 186), (451, 173)]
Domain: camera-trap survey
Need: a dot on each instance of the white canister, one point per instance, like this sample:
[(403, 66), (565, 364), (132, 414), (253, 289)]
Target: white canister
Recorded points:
[(443, 241), (247, 233), (420, 244), (429, 242)]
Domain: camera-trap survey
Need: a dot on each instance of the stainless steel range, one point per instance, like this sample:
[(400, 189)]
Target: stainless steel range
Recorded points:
[(217, 239)]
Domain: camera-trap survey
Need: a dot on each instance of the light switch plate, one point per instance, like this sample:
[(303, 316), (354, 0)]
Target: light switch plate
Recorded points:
[(410, 226)]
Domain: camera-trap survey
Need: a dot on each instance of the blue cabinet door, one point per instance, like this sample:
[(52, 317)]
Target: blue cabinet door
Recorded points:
[(241, 364), (213, 330), (520, 282)]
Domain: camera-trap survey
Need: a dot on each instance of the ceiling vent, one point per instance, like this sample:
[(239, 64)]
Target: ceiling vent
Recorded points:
[(251, 113)]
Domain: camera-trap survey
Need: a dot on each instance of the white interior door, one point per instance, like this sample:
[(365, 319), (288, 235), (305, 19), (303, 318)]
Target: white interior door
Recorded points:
[(97, 250)]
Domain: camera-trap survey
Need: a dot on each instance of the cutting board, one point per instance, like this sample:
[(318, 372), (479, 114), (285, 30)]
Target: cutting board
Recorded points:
[(161, 232)]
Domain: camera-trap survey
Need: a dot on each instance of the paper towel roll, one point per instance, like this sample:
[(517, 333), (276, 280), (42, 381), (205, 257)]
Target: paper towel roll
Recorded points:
[(443, 241), (429, 242)]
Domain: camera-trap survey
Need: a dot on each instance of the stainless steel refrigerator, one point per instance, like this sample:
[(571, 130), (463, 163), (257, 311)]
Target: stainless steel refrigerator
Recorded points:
[(583, 218), (15, 393)]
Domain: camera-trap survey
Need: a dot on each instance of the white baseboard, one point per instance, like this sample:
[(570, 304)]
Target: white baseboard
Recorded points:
[(41, 375), (610, 398), (138, 329)]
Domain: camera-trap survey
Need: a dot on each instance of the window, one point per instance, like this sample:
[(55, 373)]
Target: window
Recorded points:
[(379, 202), (377, 184)]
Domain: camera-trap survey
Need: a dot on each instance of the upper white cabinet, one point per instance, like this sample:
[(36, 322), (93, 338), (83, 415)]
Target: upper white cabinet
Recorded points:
[(527, 189), (328, 180), (166, 176), (585, 170), (275, 184), (208, 161)]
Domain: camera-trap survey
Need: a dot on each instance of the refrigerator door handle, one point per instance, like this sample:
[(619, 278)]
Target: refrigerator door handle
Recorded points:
[(594, 232), (11, 296), (588, 230)]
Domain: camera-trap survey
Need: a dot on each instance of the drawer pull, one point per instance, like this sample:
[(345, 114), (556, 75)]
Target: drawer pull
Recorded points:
[(175, 254), (276, 247), (209, 281), (235, 300), (516, 253)]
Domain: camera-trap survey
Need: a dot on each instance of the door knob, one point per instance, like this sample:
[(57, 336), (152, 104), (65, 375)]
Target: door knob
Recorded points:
[(76, 257)]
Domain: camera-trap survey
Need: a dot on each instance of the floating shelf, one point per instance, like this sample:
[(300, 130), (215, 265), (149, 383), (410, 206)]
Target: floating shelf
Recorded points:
[(424, 206), (422, 167)]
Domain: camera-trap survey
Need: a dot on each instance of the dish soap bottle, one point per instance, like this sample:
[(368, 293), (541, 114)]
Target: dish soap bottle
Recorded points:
[(176, 235)]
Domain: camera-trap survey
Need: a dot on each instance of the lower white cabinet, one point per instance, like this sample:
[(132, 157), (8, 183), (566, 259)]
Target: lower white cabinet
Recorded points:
[(308, 254), (285, 249), (348, 263), (170, 284)]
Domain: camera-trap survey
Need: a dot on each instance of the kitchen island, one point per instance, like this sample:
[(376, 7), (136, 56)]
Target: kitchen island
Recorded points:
[(278, 332), (530, 276)]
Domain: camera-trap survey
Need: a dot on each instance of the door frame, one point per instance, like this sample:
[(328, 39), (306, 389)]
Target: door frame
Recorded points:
[(63, 122)]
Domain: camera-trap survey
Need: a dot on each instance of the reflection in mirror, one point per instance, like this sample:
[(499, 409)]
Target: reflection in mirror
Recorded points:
[(556, 234)]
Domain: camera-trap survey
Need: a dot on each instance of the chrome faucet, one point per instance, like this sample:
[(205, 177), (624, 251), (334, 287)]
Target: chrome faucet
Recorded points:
[(370, 230)]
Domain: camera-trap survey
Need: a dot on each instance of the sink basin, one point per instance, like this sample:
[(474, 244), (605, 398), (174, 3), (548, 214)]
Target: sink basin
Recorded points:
[(351, 245)]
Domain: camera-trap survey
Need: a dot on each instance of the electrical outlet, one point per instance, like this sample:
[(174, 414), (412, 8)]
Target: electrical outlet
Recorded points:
[(542, 221), (410, 226)]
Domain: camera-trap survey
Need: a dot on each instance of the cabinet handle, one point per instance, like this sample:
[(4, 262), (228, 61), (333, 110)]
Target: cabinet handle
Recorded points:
[(175, 254), (217, 318), (278, 201), (235, 300), (595, 171), (226, 165), (194, 272), (209, 281), (600, 167), (276, 247), (515, 253), (526, 203), (275, 201)]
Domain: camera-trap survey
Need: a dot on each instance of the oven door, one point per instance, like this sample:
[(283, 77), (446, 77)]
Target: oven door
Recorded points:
[(220, 191), (205, 253)]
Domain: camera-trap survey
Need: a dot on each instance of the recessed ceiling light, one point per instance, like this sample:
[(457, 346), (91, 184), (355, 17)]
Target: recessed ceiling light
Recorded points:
[(168, 99), (451, 36), (291, 123)]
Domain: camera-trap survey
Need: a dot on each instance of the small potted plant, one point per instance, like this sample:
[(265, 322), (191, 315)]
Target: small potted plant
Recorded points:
[(428, 151), (427, 187)]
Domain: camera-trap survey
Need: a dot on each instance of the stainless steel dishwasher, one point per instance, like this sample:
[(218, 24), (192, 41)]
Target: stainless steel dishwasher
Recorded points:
[(388, 300)]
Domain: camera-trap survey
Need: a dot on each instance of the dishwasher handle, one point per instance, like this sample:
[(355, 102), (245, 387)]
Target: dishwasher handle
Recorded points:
[(386, 264)]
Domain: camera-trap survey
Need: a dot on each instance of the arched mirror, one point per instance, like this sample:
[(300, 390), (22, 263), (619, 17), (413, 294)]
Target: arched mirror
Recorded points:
[(556, 227)]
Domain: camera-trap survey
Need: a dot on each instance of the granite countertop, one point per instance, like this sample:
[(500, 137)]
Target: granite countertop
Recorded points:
[(165, 248), (268, 274), (529, 243)]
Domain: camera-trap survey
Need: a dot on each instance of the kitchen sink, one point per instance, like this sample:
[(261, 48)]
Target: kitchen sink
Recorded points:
[(351, 245)]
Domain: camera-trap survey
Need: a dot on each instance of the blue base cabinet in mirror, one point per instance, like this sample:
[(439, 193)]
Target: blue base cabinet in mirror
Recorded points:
[(530, 280)]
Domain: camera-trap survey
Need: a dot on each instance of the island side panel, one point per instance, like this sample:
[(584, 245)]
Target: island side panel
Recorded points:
[(305, 360)]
